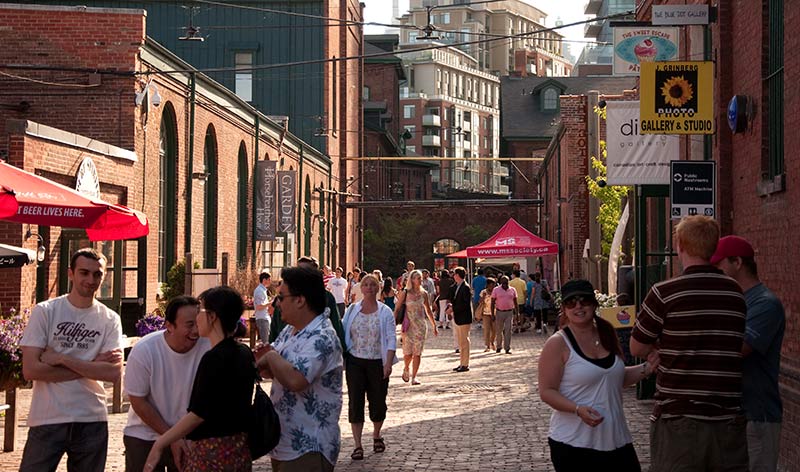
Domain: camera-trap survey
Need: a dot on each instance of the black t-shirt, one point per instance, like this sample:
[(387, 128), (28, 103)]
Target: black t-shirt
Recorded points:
[(223, 390)]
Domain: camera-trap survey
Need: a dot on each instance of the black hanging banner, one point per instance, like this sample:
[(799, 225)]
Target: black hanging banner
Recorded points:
[(287, 190), (265, 226)]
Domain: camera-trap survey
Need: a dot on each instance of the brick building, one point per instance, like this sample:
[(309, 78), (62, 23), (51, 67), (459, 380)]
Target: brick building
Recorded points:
[(177, 146), (548, 118), (320, 93)]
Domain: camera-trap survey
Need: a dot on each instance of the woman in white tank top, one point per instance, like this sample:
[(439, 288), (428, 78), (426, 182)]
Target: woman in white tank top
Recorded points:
[(581, 376)]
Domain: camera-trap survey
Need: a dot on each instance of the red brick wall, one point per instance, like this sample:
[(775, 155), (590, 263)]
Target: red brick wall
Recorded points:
[(769, 222), (72, 38)]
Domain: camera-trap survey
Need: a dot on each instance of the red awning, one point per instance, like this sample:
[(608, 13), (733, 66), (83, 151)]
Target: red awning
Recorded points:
[(513, 241), (460, 254), (28, 198)]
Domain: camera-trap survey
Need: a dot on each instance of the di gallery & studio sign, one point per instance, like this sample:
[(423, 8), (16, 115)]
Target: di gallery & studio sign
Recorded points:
[(677, 97)]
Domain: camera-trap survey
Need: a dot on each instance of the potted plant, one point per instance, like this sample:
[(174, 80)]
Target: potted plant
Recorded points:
[(11, 330)]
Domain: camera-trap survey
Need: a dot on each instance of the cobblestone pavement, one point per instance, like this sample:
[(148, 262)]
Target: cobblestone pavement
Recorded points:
[(490, 418)]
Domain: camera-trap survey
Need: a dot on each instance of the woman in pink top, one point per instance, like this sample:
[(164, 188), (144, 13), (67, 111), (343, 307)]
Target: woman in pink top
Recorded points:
[(504, 307)]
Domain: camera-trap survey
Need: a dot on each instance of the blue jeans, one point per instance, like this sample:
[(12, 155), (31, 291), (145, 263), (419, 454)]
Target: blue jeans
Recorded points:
[(86, 445), (263, 330)]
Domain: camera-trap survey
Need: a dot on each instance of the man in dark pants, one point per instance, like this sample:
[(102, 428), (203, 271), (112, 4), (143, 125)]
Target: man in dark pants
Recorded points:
[(461, 308)]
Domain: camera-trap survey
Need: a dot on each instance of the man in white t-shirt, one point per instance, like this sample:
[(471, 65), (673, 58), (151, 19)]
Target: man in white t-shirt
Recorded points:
[(262, 305), (338, 286), (355, 291), (158, 380), (72, 344)]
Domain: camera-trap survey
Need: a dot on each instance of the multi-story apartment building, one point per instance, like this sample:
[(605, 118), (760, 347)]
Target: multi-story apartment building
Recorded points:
[(451, 110), (455, 22), (596, 59)]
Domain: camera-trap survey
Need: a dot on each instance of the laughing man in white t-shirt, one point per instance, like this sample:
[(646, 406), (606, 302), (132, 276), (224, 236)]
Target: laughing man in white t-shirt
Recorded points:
[(158, 379), (72, 344)]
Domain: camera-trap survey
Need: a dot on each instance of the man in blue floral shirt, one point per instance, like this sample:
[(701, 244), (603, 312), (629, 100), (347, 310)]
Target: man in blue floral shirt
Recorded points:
[(305, 363)]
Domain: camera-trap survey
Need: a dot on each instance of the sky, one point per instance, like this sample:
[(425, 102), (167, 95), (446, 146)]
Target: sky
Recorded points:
[(569, 11)]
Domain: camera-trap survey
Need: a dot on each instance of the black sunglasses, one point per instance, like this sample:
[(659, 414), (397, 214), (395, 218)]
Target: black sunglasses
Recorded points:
[(279, 297), (573, 301)]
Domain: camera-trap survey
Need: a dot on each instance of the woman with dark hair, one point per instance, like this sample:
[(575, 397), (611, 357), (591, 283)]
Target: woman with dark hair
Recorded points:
[(220, 403), (369, 331), (388, 293), (581, 376)]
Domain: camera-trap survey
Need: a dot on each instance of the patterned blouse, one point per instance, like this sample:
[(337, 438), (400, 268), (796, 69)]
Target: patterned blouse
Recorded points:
[(365, 332), (310, 419)]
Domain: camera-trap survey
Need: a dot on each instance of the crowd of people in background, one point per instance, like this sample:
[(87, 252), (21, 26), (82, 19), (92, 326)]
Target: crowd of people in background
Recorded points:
[(712, 336)]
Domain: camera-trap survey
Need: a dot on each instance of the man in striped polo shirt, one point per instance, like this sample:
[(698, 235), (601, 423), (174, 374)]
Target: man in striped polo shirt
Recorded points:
[(696, 323)]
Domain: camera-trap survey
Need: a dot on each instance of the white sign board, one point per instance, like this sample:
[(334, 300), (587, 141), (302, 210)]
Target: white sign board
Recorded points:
[(634, 45), (633, 158), (669, 15)]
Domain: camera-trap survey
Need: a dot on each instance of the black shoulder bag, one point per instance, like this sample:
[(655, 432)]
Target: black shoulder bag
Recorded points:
[(265, 428)]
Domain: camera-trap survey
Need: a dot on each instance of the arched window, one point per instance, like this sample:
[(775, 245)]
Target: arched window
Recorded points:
[(550, 99), (441, 249), (242, 219), (210, 200), (446, 246), (307, 226), (167, 191)]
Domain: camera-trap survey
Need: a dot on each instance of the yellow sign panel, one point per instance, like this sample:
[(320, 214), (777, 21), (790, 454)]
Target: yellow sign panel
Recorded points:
[(620, 316), (676, 97)]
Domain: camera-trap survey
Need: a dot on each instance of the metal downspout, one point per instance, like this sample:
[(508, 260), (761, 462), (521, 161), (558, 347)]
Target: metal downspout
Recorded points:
[(256, 154), (187, 230)]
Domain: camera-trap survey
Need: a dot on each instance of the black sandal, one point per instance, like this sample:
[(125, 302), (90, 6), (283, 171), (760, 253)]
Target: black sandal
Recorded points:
[(378, 445), (358, 454)]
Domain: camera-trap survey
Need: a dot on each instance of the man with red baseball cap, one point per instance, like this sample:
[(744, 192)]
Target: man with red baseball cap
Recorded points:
[(761, 351)]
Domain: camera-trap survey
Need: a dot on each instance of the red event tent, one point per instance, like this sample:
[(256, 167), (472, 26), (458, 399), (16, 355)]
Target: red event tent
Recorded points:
[(28, 198), (512, 241)]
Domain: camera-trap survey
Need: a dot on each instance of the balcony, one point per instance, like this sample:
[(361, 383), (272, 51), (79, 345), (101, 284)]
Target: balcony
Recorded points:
[(502, 189), (591, 30), (592, 7), (432, 120), (500, 170), (466, 126), (431, 140)]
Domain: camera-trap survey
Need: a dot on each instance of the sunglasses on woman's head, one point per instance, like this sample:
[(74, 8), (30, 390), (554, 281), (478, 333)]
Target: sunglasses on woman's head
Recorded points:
[(573, 302)]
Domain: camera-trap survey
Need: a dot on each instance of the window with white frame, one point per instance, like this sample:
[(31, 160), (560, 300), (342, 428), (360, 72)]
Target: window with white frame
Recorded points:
[(409, 111), (244, 75)]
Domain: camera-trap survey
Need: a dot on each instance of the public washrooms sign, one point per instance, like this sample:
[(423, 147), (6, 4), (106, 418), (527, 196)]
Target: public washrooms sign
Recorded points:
[(633, 158), (677, 97), (693, 188)]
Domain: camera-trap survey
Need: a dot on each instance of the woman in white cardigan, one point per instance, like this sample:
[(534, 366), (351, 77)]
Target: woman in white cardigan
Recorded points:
[(369, 334)]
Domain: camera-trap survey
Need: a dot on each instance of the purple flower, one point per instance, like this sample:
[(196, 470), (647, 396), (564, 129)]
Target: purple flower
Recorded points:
[(11, 330), (149, 323)]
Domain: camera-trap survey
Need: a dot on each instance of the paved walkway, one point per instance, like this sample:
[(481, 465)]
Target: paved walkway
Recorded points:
[(490, 418)]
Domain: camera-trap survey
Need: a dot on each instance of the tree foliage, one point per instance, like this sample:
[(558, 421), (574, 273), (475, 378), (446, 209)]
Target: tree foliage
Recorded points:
[(474, 234), (609, 196), (392, 243)]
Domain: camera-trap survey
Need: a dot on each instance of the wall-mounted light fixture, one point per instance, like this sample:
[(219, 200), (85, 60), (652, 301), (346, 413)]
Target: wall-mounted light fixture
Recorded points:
[(149, 90), (203, 176), (41, 251)]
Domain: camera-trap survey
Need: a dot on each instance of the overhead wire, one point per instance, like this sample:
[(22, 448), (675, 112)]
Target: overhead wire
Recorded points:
[(381, 54)]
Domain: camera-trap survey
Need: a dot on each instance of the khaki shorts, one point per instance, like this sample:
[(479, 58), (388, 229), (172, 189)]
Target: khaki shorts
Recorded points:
[(686, 444)]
